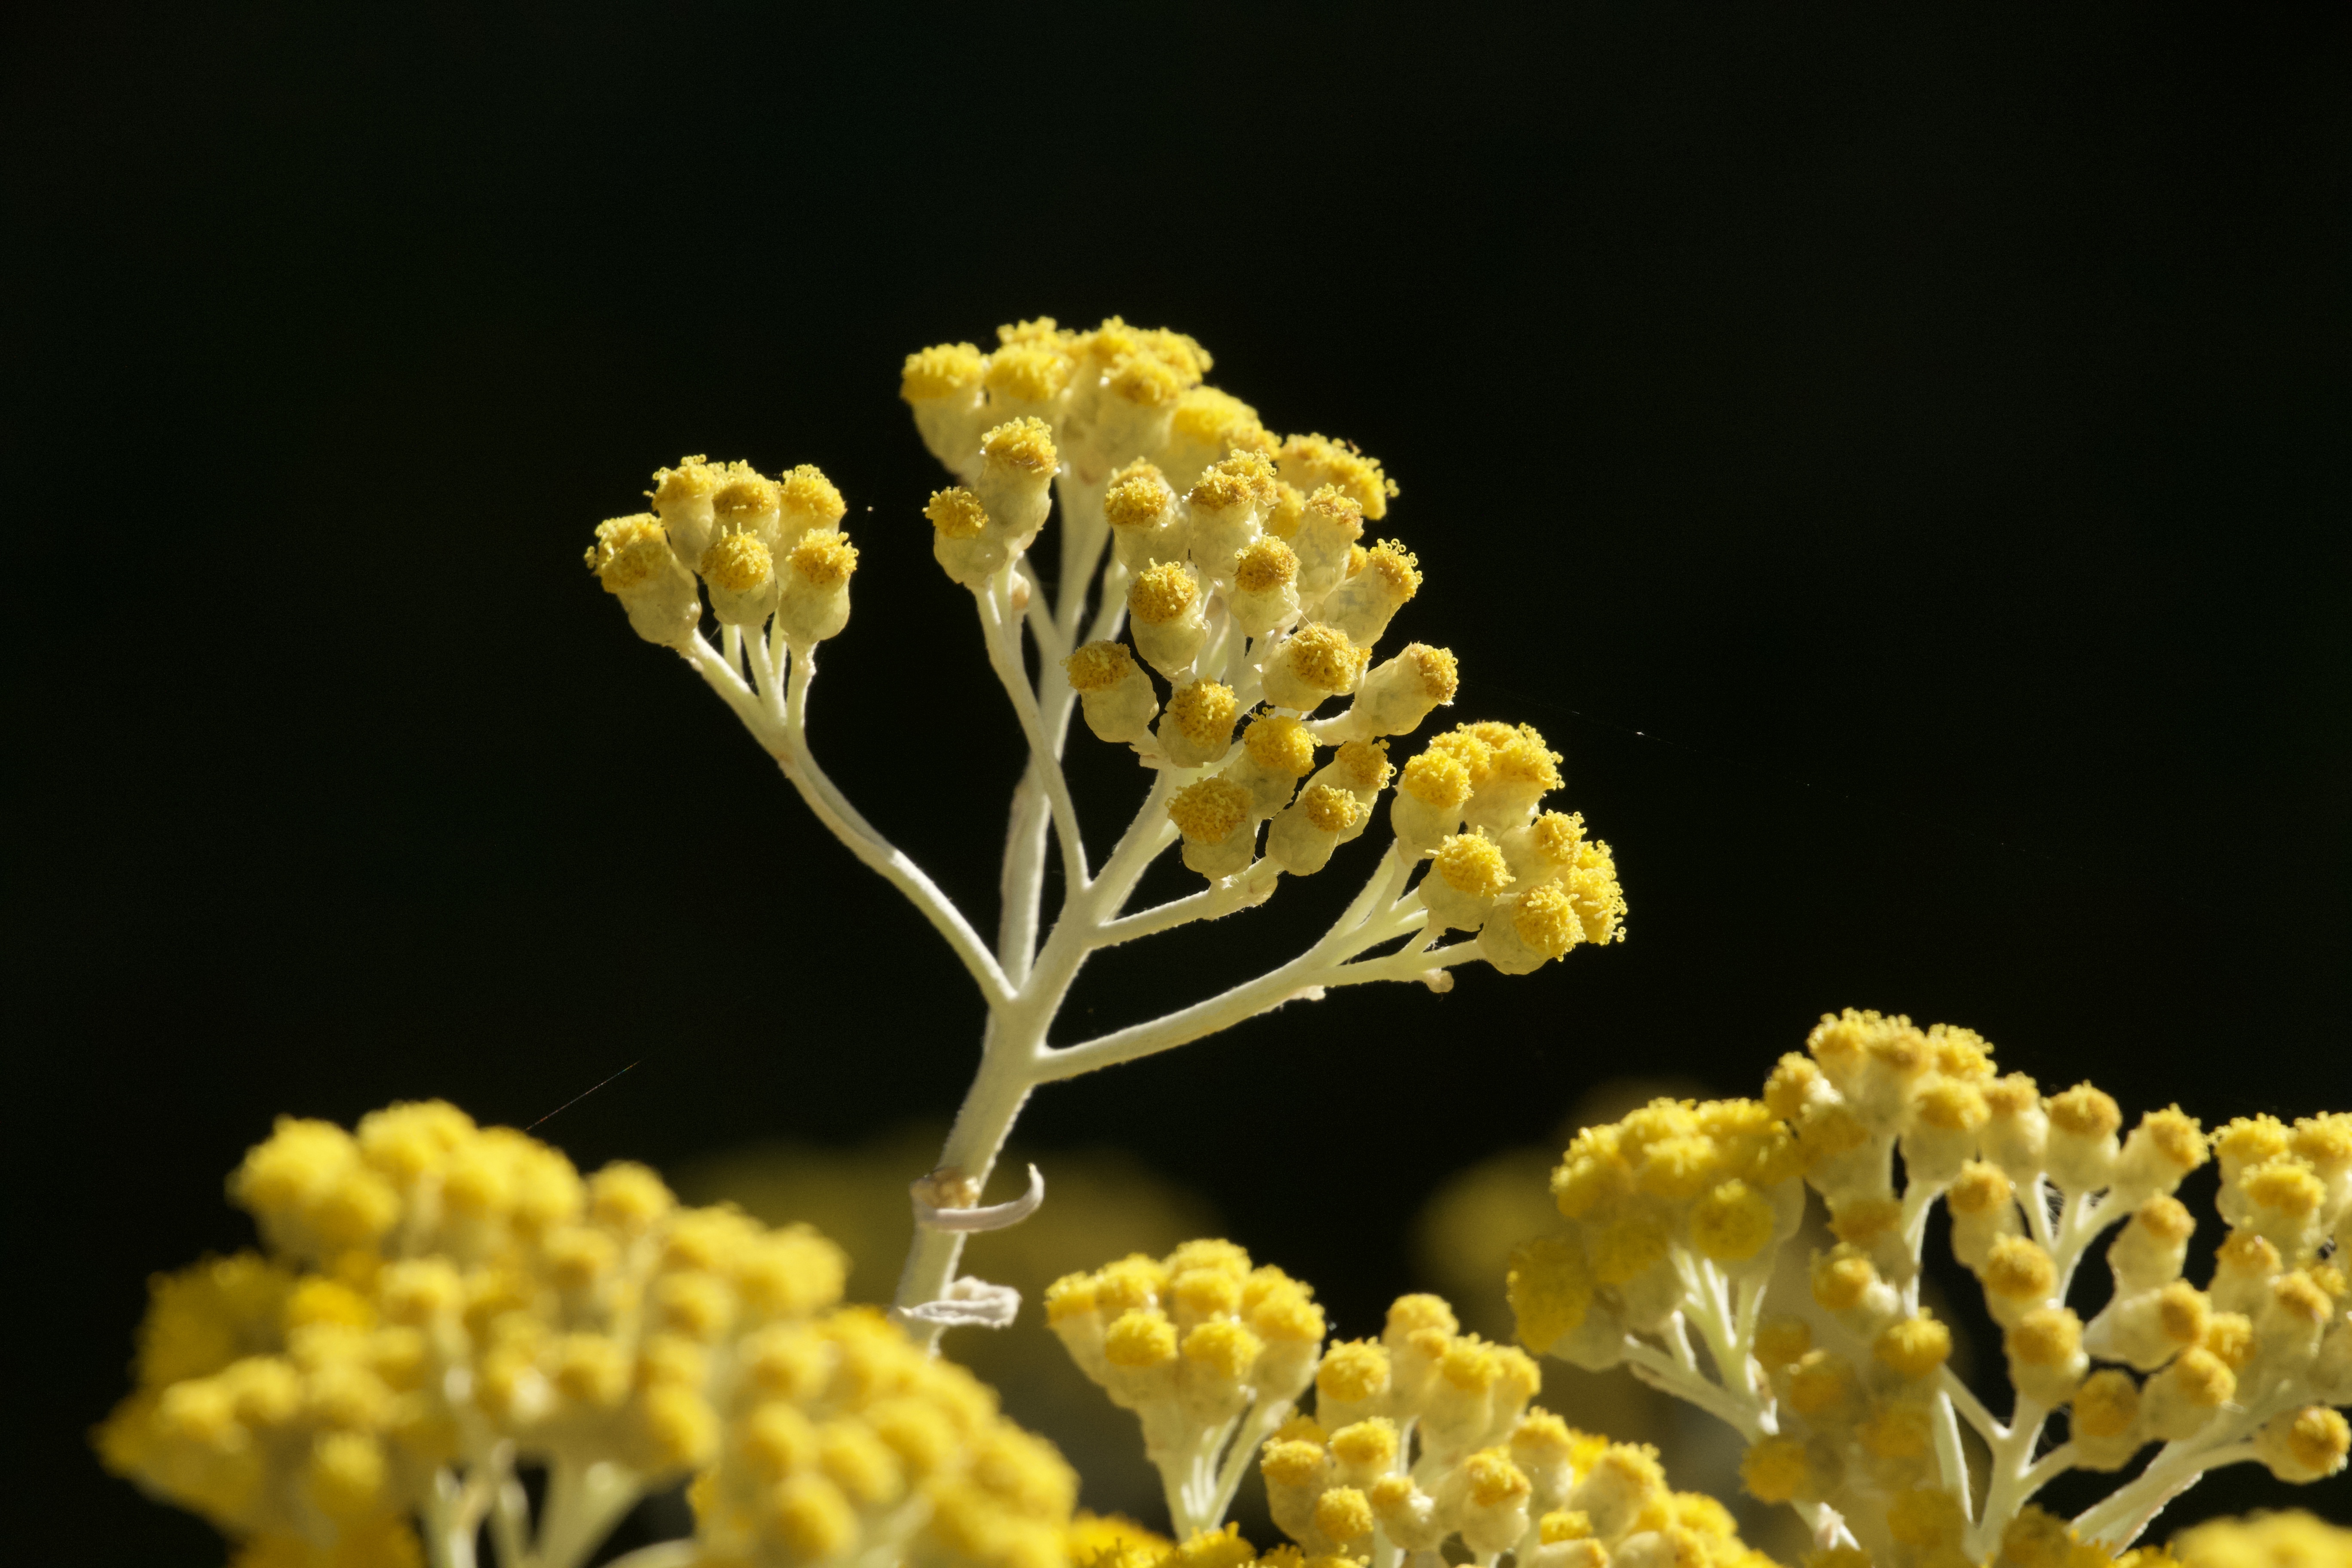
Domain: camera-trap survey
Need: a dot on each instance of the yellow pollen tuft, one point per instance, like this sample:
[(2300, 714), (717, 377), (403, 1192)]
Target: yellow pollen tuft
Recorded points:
[(748, 496), (2184, 1314), (1951, 1105), (2296, 1294), (1162, 594), (1776, 1471), (1139, 1339), (1356, 556), (1440, 673), (1146, 381), (1265, 567), (2106, 1404), (1036, 330), (2203, 1377), (1733, 1223), (2019, 1268), (2011, 1096), (2047, 1336), (2287, 1185), (1323, 658), (1203, 712), (1522, 756), (2165, 1219), (1138, 497), (1028, 373), (1495, 1480), (1344, 1514), (1840, 1278), (1398, 569), (1216, 419), (1209, 811), (1914, 1348), (627, 551), (2250, 1140), (1981, 1187), (1224, 1347), (957, 513), (1209, 1255), (2325, 1140), (1353, 1372), (1098, 665), (1240, 480), (2318, 1439), (1564, 1524), (1026, 443), (2084, 1111), (940, 372), (1280, 744), (1470, 1366), (1293, 1463), (1310, 461), (807, 496), (825, 559), (736, 563), (1472, 864), (1365, 764), (1071, 1296), (1546, 921), (1437, 779), (1370, 1445), (1819, 1382), (1331, 810), (1865, 1220), (2176, 1136)]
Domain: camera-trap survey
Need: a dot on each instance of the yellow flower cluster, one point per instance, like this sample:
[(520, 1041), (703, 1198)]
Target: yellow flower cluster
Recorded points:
[(762, 547), (1425, 1437), (444, 1300), (1678, 1196), (1246, 582), (1209, 1352), (1676, 1212)]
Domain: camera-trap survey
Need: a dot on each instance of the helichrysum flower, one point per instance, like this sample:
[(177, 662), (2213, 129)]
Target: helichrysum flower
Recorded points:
[(439, 1296)]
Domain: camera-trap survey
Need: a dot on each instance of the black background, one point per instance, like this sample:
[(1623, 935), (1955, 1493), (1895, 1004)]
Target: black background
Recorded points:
[(1899, 457)]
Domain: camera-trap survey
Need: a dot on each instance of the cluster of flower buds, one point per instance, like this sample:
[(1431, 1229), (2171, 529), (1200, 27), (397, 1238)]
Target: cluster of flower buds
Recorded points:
[(1677, 1195), (443, 1299), (1200, 1345), (761, 547), (1423, 1442), (1247, 587), (1679, 1208), (1530, 885)]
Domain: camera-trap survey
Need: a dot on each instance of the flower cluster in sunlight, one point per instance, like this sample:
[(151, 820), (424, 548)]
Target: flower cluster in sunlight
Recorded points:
[(451, 1339), (1419, 1439), (1851, 1413), (442, 1303)]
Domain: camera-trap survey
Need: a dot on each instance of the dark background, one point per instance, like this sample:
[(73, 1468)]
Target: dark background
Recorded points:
[(1899, 457)]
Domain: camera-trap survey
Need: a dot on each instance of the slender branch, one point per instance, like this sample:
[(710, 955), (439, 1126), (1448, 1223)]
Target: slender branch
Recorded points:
[(1318, 965), (787, 742), (1973, 1410), (2117, 1521), (1244, 891), (1655, 1367), (1004, 655), (1951, 1462)]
